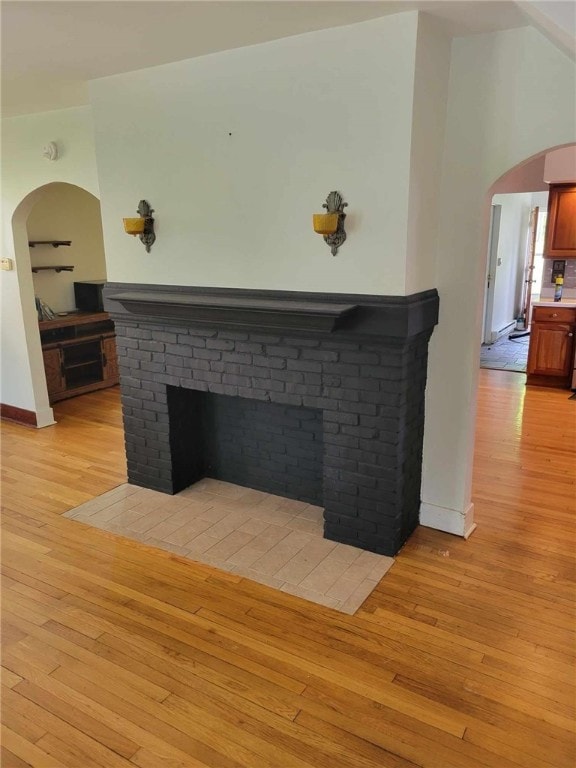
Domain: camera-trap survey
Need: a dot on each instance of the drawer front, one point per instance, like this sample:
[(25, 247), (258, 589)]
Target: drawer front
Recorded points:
[(554, 315)]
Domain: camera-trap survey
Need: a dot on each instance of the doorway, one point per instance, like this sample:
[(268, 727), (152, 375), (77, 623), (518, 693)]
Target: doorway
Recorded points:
[(513, 272), (58, 241)]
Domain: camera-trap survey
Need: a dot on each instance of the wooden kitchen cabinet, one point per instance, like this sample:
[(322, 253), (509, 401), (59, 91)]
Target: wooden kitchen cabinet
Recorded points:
[(551, 351), (560, 240)]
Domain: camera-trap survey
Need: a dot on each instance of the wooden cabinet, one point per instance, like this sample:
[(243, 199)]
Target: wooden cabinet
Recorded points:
[(79, 354), (54, 376), (561, 222), (551, 351), (551, 345), (110, 359)]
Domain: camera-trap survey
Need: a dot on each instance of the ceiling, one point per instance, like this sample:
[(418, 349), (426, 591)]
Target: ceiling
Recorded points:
[(50, 50)]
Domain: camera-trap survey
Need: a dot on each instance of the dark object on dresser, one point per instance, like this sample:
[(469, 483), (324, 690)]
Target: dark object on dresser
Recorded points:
[(88, 295)]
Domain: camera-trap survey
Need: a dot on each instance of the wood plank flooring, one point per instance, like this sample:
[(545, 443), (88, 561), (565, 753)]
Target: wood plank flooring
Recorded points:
[(117, 654)]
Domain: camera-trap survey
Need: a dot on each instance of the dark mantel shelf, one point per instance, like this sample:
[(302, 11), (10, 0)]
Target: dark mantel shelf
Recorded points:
[(235, 310), (57, 268), (344, 314)]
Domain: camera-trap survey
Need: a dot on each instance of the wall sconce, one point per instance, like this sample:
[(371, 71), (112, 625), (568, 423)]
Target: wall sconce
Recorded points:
[(331, 224), (143, 226)]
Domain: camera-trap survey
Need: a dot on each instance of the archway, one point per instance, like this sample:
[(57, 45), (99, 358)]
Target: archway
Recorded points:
[(528, 176), (83, 216), (511, 201)]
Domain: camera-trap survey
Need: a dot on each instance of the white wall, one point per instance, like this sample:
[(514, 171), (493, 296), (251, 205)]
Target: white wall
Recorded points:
[(560, 166), (525, 177), (428, 127), (64, 212), (511, 96), (539, 199), (23, 171), (307, 115), (512, 243)]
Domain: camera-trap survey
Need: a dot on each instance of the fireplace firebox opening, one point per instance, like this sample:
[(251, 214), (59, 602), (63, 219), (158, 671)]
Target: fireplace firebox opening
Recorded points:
[(265, 446)]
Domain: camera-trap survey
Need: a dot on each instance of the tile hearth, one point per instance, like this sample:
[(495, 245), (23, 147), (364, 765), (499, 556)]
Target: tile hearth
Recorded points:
[(269, 539)]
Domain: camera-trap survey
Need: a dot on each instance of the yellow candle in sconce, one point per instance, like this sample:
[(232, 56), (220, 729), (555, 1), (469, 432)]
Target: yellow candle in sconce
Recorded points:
[(134, 226), (325, 223)]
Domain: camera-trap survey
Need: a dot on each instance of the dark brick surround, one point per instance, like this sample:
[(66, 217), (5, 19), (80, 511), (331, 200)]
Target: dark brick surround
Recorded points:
[(367, 380)]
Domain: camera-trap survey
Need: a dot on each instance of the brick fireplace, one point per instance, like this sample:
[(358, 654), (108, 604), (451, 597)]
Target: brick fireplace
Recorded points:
[(312, 396)]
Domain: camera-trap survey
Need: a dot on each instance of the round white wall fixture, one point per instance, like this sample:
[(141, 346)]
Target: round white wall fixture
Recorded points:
[(50, 151)]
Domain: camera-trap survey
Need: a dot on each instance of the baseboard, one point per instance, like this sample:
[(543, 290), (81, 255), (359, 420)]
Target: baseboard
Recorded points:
[(507, 328), (495, 335), (45, 418), (18, 415), (448, 520), (42, 418)]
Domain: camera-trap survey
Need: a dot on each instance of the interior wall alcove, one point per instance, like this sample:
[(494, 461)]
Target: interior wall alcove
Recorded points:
[(54, 211)]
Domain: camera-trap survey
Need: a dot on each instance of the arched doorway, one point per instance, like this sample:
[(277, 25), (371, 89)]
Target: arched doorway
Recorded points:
[(57, 211), (516, 272)]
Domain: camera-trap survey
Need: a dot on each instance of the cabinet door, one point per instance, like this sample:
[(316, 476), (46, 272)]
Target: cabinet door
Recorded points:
[(53, 368), (561, 223), (110, 360), (551, 349)]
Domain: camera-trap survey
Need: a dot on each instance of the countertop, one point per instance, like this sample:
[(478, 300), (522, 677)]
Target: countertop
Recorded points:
[(566, 303)]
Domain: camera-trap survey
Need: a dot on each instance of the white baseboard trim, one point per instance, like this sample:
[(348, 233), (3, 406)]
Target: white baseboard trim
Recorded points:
[(507, 328), (448, 520), (495, 335), (45, 418)]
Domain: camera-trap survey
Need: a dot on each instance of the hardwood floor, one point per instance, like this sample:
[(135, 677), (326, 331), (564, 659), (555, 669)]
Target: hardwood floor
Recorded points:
[(116, 654)]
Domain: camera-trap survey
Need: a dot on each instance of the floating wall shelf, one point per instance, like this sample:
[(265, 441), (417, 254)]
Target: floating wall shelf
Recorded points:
[(53, 243), (57, 268)]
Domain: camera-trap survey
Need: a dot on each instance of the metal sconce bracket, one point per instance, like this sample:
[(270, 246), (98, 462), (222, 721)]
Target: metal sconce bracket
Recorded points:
[(335, 204), (144, 226), (147, 237)]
